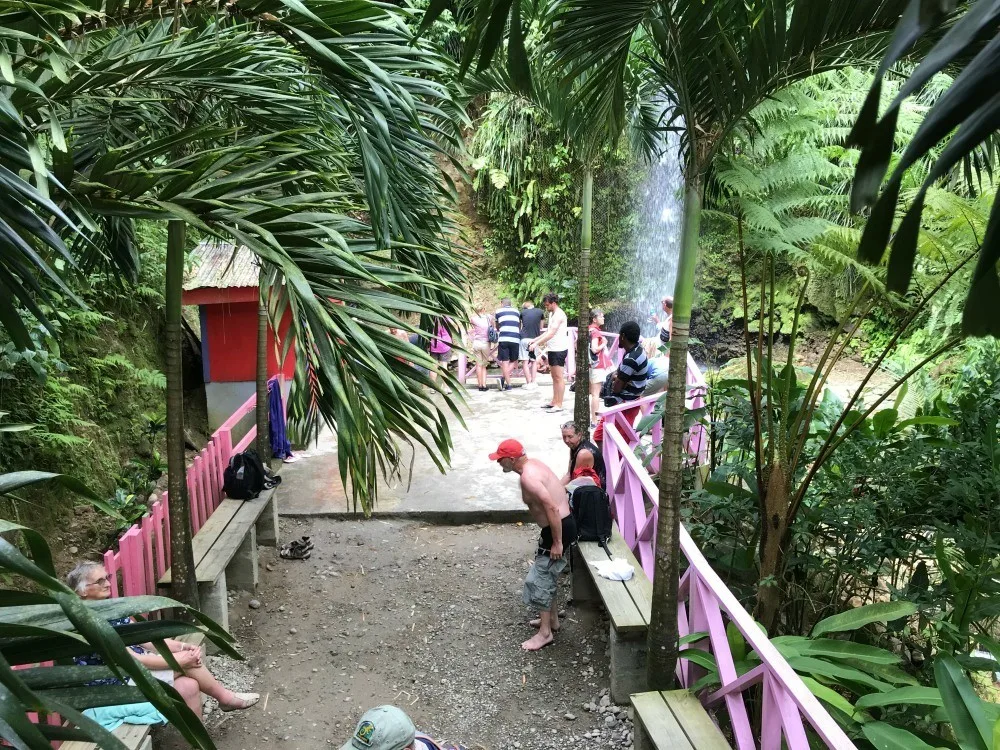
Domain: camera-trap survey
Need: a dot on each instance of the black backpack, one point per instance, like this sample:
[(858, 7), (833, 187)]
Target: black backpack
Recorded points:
[(246, 477), (592, 513)]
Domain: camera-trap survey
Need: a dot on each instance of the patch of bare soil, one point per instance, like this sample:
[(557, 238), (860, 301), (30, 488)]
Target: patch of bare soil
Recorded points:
[(425, 617)]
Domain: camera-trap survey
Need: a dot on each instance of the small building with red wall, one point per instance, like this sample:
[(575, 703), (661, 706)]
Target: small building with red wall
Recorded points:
[(222, 281)]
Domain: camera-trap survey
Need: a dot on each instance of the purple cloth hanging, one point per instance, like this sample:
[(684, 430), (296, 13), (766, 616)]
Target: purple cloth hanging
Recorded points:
[(280, 447)]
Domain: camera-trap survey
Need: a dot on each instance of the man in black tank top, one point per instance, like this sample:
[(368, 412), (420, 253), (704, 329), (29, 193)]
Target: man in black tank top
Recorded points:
[(583, 454)]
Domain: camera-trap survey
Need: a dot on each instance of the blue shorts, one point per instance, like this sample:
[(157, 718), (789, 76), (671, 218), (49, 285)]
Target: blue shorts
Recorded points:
[(507, 351)]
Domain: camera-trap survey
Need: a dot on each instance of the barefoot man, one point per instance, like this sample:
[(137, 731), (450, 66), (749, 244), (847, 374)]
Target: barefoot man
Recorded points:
[(546, 498)]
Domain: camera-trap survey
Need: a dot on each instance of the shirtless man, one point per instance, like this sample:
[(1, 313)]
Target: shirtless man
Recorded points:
[(548, 503)]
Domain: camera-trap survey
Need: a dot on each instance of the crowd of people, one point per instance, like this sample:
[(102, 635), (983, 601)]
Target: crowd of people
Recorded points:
[(539, 341)]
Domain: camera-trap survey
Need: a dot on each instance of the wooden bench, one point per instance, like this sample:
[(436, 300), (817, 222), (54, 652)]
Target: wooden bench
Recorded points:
[(628, 603), (674, 720), (225, 551), (134, 737)]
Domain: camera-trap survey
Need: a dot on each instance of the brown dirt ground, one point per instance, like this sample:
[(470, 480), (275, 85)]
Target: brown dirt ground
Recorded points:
[(428, 618)]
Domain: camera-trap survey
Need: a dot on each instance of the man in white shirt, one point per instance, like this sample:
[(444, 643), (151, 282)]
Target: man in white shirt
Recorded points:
[(556, 341)]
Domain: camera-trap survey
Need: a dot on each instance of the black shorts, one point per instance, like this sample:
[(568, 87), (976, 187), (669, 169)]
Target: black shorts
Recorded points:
[(557, 359), (507, 351)]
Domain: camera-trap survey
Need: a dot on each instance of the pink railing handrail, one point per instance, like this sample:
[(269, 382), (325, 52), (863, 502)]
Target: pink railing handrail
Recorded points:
[(704, 599), (696, 442)]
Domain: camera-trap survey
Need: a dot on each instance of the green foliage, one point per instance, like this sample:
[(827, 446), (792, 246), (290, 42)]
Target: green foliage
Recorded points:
[(866, 688), (961, 118), (52, 622), (88, 388), (528, 187), (310, 135)]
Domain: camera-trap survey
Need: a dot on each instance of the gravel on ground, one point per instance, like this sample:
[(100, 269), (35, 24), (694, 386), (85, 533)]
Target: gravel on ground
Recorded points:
[(428, 618)]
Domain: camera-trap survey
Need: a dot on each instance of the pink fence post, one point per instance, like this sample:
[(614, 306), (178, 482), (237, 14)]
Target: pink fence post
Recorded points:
[(211, 474), (195, 511), (133, 573), (201, 496), (146, 527), (111, 567), (463, 366)]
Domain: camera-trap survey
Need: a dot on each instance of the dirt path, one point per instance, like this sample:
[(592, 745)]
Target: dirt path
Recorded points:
[(428, 618)]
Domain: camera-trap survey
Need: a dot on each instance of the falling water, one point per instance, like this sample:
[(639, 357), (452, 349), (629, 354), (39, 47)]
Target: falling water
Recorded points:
[(657, 234)]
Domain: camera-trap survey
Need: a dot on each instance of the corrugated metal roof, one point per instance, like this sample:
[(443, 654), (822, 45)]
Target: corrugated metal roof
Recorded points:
[(221, 265)]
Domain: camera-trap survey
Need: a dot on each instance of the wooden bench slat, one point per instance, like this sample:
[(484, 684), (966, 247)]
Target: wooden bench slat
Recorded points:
[(209, 534), (639, 587), (659, 722), (133, 735), (224, 549), (625, 616), (216, 543), (701, 731)]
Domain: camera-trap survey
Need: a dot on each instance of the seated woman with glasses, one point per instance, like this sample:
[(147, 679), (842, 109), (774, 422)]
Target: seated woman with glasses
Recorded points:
[(90, 581)]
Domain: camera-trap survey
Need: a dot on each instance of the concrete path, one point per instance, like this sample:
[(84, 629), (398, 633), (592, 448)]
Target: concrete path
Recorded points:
[(312, 485)]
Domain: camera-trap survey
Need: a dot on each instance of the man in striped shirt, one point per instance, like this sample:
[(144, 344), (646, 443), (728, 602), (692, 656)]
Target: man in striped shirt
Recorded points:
[(509, 327), (630, 378)]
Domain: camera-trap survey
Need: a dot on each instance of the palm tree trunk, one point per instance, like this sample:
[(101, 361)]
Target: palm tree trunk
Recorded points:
[(663, 635), (184, 583), (773, 542), (263, 438), (581, 404)]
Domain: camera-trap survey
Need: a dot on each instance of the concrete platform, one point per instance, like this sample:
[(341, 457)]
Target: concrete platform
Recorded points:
[(473, 488)]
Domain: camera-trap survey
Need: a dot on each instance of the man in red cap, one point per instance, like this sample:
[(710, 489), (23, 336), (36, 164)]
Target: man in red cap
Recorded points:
[(548, 503)]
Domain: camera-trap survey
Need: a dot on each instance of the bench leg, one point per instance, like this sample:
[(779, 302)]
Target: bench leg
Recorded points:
[(628, 667), (584, 588), (215, 604), (640, 737), (244, 572), (147, 744), (267, 524)]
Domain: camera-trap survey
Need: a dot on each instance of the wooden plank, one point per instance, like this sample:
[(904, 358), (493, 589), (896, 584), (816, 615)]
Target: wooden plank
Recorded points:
[(639, 587), (229, 541), (209, 534), (625, 617), (694, 720), (660, 723), (133, 735)]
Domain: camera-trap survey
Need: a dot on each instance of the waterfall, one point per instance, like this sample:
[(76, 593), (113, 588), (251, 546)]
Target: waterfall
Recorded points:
[(657, 234)]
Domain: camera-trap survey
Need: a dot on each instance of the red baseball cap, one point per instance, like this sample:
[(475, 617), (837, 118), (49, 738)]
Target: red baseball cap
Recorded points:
[(508, 449)]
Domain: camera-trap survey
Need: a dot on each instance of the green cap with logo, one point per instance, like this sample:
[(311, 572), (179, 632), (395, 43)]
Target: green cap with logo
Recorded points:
[(382, 728)]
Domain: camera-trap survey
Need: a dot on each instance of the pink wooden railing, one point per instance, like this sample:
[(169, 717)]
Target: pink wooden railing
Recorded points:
[(143, 554), (786, 706), (696, 442)]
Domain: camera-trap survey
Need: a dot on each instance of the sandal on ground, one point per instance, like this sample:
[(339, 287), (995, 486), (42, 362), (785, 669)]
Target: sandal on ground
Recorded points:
[(243, 701), (293, 552), (304, 543)]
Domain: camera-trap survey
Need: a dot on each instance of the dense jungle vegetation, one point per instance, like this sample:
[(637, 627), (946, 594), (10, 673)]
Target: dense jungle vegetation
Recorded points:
[(863, 533)]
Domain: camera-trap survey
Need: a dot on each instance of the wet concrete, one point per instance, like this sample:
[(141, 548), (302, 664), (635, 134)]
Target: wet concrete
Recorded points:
[(472, 488)]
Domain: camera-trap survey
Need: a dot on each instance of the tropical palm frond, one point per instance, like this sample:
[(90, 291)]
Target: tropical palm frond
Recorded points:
[(54, 623), (303, 133), (964, 116)]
